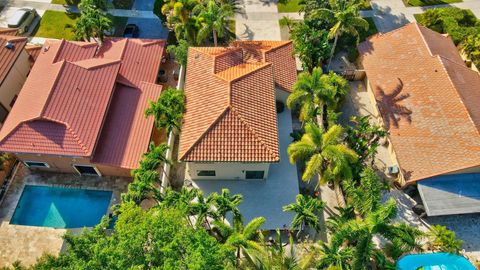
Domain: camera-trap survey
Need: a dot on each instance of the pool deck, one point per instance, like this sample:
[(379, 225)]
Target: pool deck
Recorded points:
[(27, 243)]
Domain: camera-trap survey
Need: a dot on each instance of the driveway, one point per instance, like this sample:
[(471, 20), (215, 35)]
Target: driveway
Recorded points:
[(8, 12)]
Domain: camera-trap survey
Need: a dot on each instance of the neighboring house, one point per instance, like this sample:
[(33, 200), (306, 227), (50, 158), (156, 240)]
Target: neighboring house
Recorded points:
[(230, 123), (15, 63), (429, 101), (81, 109)]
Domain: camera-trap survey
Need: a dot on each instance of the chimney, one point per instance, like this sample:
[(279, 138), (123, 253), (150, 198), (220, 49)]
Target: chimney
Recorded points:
[(9, 45)]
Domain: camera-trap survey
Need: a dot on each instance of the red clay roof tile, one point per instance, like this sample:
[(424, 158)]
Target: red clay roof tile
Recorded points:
[(9, 56)]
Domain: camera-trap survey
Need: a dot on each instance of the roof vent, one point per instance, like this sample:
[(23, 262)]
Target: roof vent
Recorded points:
[(9, 45)]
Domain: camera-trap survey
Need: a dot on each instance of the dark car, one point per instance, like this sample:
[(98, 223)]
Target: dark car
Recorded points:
[(131, 31)]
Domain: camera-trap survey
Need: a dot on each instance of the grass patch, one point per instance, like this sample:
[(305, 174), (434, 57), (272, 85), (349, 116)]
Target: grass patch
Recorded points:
[(66, 2), (422, 3), (119, 24), (57, 24), (290, 6), (366, 5)]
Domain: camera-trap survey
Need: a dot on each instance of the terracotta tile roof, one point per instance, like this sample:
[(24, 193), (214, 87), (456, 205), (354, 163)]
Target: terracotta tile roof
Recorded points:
[(33, 51), (126, 133), (64, 103), (9, 56), (8, 31), (428, 98), (230, 108), (279, 53)]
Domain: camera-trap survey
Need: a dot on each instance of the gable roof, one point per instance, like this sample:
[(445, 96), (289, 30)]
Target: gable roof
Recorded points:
[(63, 105), (9, 56), (428, 98), (230, 105)]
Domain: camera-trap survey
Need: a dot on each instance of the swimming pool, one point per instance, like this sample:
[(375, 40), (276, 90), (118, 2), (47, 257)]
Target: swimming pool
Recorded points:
[(61, 207), (434, 261)]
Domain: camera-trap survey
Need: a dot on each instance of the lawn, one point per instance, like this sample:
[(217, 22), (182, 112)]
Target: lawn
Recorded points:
[(66, 2), (421, 3), (290, 6), (57, 24)]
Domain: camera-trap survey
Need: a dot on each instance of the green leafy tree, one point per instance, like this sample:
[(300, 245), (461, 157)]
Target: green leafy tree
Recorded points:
[(213, 18), (325, 155), (366, 196), (225, 203), (306, 209), (168, 109), (443, 239), (180, 51), (471, 47), (311, 44), (364, 138), (154, 239), (345, 18), (92, 23)]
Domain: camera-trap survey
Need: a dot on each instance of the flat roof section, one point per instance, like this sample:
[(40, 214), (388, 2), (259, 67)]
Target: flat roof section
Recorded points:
[(451, 194)]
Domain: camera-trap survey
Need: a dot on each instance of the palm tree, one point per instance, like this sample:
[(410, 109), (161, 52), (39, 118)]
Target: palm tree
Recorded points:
[(92, 23), (311, 93), (202, 209), (240, 237), (306, 209), (360, 233), (212, 19), (316, 92), (443, 239), (168, 109), (345, 18), (325, 155), (275, 255), (224, 203), (180, 18), (335, 255)]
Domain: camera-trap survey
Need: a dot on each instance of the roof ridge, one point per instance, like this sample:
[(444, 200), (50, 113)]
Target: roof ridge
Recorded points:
[(107, 62), (259, 139), (57, 77), (67, 126), (260, 65), (214, 123)]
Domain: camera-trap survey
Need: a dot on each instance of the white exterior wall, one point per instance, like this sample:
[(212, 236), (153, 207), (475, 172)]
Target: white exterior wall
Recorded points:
[(15, 79), (224, 170)]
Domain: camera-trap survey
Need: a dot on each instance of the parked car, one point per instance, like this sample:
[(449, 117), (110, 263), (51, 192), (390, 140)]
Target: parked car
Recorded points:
[(131, 31), (22, 19)]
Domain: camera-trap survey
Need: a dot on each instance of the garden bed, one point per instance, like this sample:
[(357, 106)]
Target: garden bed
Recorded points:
[(422, 3)]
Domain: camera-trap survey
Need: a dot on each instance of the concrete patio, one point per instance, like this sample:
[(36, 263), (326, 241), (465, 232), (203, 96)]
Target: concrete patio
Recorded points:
[(27, 243), (265, 197)]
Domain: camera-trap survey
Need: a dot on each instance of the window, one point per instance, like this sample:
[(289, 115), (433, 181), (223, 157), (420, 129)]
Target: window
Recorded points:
[(254, 174), (205, 173), (36, 164), (3, 113), (13, 100), (86, 170)]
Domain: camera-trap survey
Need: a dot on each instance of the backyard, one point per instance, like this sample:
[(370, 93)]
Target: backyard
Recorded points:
[(56, 24)]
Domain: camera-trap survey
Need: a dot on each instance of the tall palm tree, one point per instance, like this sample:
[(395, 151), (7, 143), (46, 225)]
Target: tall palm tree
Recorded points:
[(345, 18), (168, 109), (443, 239), (212, 19), (335, 255), (225, 203), (311, 94), (316, 92), (306, 209), (238, 236), (325, 155), (202, 209)]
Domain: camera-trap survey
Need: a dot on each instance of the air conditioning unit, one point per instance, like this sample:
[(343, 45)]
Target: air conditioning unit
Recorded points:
[(393, 170)]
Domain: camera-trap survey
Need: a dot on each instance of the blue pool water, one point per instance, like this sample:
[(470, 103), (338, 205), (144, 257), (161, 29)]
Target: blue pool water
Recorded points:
[(61, 207), (434, 261)]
